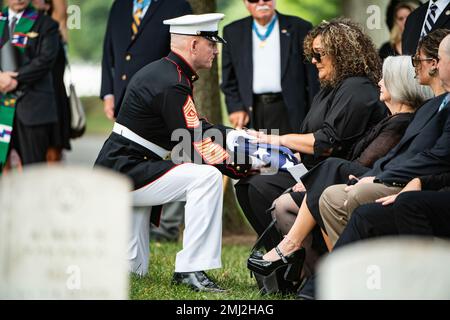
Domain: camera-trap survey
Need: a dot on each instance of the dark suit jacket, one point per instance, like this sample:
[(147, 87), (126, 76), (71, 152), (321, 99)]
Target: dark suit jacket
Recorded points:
[(299, 81), (413, 27), (122, 56), (436, 182), (423, 150), (36, 99)]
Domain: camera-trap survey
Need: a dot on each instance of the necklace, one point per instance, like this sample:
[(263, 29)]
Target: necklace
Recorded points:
[(263, 37)]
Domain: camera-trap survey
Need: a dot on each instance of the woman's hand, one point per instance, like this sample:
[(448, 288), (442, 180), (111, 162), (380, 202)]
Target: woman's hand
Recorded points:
[(264, 138), (413, 185), (299, 187)]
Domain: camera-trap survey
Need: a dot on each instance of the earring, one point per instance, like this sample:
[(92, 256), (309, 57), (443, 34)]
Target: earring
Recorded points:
[(432, 72)]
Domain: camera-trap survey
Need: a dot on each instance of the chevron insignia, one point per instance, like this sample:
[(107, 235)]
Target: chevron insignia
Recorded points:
[(5, 133), (190, 114), (211, 152)]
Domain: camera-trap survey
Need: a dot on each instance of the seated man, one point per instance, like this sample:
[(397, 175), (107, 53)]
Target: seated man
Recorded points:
[(158, 107), (411, 212)]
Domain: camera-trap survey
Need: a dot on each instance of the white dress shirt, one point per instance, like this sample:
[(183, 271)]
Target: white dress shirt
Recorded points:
[(267, 61), (12, 14)]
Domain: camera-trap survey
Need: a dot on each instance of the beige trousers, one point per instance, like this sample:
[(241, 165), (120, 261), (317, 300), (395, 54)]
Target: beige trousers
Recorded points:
[(336, 205)]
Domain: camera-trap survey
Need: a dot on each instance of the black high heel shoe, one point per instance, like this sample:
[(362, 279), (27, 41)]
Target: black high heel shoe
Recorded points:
[(293, 261)]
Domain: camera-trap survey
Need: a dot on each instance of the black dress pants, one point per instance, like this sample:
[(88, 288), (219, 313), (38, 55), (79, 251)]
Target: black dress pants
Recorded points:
[(270, 112), (423, 213)]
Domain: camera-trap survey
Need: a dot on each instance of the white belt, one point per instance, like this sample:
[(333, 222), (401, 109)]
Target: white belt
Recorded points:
[(130, 135)]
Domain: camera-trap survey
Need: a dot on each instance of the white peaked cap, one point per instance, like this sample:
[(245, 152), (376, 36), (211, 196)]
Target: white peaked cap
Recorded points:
[(205, 25)]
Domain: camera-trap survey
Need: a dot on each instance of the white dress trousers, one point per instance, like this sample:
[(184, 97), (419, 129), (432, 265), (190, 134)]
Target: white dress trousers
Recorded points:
[(201, 187)]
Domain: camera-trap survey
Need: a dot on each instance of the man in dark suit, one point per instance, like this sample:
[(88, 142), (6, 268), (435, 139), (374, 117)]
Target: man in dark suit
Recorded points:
[(136, 36), (432, 15), (265, 78), (29, 47)]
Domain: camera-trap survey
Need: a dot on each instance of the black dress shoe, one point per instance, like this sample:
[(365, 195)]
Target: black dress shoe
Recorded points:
[(197, 281), (294, 263)]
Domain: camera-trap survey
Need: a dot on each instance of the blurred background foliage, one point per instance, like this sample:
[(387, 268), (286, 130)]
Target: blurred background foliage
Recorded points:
[(86, 44)]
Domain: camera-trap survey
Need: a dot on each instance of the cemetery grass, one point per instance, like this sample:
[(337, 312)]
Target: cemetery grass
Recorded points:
[(234, 276)]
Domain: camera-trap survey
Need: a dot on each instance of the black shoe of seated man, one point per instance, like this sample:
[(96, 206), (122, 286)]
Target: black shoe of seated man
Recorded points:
[(308, 290), (197, 281)]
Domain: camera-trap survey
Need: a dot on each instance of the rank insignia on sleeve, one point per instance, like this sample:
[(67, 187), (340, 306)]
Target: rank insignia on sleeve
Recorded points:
[(190, 114), (211, 152)]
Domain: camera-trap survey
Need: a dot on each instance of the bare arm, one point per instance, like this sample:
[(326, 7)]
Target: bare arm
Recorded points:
[(303, 143), (59, 14)]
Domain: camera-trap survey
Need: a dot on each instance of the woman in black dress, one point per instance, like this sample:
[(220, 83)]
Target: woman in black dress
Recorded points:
[(342, 111), (393, 47), (60, 137)]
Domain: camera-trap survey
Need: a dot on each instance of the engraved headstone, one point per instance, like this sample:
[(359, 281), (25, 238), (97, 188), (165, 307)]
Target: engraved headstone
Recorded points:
[(388, 268), (63, 234)]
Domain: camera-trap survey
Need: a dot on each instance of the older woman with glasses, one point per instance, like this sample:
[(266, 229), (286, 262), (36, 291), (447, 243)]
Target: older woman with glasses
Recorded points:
[(343, 110)]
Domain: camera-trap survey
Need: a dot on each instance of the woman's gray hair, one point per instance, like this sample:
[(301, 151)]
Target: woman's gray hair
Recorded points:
[(399, 80)]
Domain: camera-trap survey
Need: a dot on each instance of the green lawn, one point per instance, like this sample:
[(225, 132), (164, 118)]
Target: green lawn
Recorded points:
[(234, 276)]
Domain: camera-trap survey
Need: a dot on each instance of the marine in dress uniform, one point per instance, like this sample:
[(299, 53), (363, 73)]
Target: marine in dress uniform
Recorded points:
[(158, 101)]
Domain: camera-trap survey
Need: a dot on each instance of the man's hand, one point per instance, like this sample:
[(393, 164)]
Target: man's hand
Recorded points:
[(360, 181), (239, 119), (108, 107), (8, 82), (413, 185)]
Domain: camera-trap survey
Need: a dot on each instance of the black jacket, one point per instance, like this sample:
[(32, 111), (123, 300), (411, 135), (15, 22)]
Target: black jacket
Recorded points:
[(122, 56), (413, 27), (436, 182), (423, 150), (36, 99), (299, 81), (158, 101)]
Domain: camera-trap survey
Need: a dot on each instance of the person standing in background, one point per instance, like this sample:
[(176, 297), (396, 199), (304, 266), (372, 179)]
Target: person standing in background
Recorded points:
[(60, 135), (29, 46), (136, 36), (265, 78), (393, 47), (432, 15)]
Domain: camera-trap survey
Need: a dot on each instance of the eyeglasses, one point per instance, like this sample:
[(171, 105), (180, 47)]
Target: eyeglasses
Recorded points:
[(415, 60), (256, 1), (317, 55)]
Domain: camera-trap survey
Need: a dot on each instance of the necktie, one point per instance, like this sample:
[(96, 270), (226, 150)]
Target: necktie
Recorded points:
[(430, 20), (137, 17), (444, 102), (12, 26)]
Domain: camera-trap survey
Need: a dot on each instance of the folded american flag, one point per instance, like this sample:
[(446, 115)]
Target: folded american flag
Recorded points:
[(262, 154)]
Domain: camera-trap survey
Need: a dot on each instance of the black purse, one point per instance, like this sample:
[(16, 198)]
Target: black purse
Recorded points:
[(77, 113)]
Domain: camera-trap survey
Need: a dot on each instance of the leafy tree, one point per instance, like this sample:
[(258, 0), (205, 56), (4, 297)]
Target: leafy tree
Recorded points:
[(86, 43)]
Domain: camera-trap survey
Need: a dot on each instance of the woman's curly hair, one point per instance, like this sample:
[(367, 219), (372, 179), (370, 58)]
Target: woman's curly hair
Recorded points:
[(352, 52)]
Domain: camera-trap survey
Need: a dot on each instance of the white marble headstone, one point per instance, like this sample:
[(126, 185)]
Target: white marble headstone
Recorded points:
[(63, 234), (387, 268)]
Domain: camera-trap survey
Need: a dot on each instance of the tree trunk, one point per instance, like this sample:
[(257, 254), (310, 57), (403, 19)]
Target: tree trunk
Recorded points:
[(207, 102)]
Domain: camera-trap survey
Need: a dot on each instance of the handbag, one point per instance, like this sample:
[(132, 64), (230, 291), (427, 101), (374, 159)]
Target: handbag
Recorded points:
[(77, 114)]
